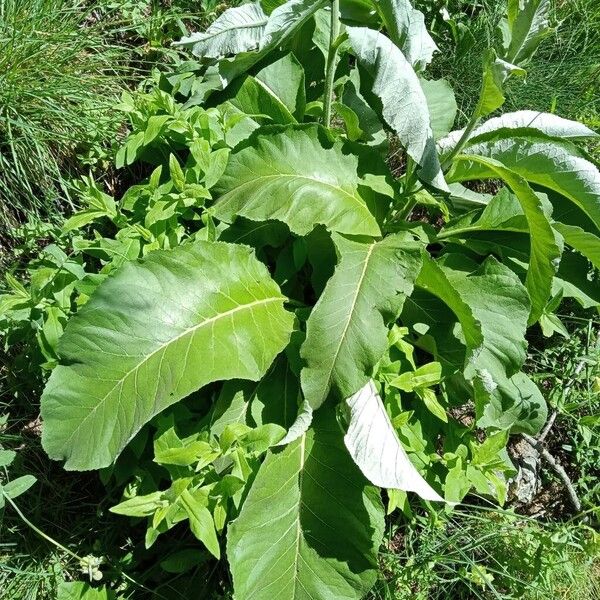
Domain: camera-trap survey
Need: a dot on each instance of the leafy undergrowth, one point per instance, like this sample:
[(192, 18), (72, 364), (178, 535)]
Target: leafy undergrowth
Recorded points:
[(63, 68)]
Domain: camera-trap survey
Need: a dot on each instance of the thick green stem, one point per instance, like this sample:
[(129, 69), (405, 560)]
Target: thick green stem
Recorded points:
[(331, 60), (410, 178), (464, 138)]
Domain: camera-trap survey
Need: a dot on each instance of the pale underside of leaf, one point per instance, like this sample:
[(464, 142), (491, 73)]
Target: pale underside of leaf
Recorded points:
[(238, 29), (283, 24), (550, 164), (404, 106), (376, 449), (545, 123), (406, 28)]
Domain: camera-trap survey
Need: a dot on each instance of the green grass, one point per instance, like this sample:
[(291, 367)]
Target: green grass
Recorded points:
[(479, 553), (563, 77), (573, 392), (59, 79), (63, 67)]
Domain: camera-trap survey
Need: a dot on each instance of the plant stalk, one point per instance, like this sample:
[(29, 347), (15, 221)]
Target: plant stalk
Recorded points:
[(411, 200), (331, 60), (464, 138)]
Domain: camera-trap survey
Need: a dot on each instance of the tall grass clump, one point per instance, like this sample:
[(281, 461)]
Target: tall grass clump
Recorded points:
[(564, 75), (59, 78)]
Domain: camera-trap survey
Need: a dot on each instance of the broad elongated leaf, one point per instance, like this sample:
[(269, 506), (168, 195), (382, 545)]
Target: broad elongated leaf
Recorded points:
[(495, 74), (289, 176), (346, 332), (284, 79), (495, 333), (376, 449), (546, 163), (526, 25), (406, 28), (492, 307), (520, 122), (152, 334), (310, 526), (404, 106), (238, 29), (277, 91), (572, 281), (368, 121), (251, 97), (502, 212), (546, 244)]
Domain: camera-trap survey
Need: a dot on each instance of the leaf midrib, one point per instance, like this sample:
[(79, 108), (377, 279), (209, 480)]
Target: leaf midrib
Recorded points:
[(357, 199), (351, 313), (187, 331), (224, 30), (283, 107)]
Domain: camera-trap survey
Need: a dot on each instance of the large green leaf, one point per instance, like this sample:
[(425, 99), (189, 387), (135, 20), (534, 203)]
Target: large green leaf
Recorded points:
[(285, 79), (403, 103), (502, 212), (375, 448), (152, 334), (346, 332), (406, 28), (546, 244), (368, 121), (311, 525), (238, 29), (573, 281), (581, 240), (522, 122), (547, 163), (290, 176), (492, 307)]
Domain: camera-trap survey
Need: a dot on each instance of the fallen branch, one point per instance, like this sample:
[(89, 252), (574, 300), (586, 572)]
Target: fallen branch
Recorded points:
[(559, 470), (538, 444)]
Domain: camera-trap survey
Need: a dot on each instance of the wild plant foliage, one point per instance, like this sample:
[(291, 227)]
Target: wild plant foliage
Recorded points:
[(325, 343)]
